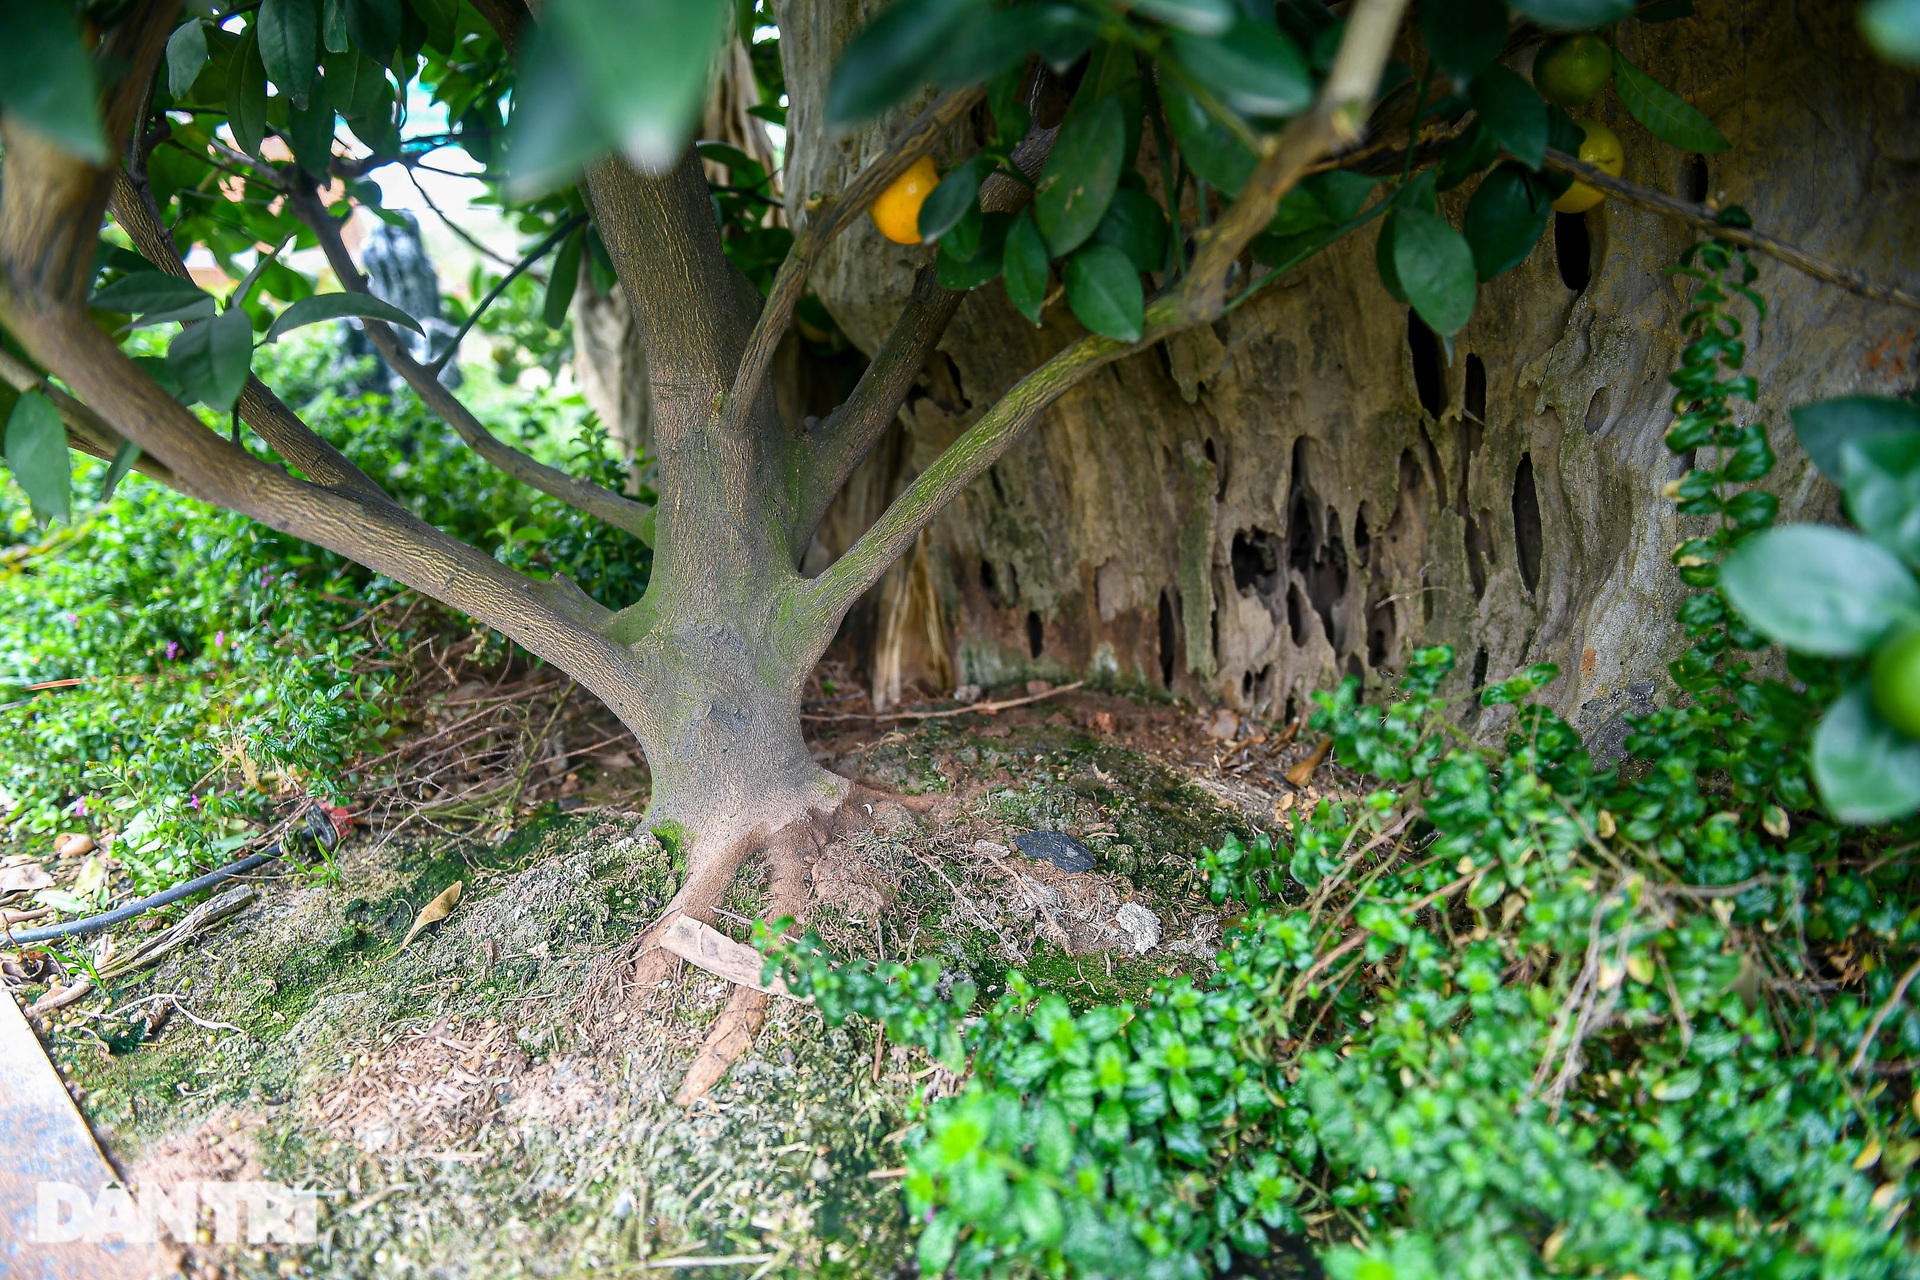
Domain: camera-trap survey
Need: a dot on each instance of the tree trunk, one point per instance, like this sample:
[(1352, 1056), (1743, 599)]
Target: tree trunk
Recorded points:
[(1312, 486)]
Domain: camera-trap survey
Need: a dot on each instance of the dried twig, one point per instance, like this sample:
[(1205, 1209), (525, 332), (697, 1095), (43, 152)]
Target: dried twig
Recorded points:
[(977, 708)]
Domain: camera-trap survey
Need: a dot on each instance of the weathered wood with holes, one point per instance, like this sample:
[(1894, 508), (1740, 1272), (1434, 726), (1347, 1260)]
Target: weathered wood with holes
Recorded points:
[(705, 947), (44, 1139)]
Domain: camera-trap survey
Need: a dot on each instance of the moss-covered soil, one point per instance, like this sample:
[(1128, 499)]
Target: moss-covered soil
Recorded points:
[(494, 1101)]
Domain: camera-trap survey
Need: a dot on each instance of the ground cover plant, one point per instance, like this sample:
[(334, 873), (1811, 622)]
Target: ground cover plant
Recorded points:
[(1505, 1014), (144, 137), (187, 679)]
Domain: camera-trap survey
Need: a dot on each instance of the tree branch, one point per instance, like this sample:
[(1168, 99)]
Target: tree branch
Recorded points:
[(839, 444), (827, 220), (603, 504), (1705, 218), (567, 227), (1198, 297), (132, 207)]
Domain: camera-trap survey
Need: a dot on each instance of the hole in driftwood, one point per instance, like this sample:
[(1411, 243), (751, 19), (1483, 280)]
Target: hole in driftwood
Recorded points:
[(1035, 633), (1526, 522), (1573, 250), (1597, 410), (1478, 554), (1255, 556), (1362, 537), (1429, 365), (1698, 178), (1168, 639)]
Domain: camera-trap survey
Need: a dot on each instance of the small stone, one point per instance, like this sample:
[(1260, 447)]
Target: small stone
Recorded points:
[(967, 694), (73, 845), (1223, 726), (1104, 722), (989, 849), (1141, 925), (1037, 687), (1062, 851)]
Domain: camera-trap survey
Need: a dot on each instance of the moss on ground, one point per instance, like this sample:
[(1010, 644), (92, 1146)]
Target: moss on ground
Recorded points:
[(571, 1158)]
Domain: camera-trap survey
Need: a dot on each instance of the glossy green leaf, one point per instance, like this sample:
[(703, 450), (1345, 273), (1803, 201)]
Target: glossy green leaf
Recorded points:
[(998, 39), (289, 45), (46, 77), (1252, 66), (1892, 27), (310, 130), (333, 26), (211, 360), (247, 94), (1383, 256), (356, 85), (1574, 15), (957, 195), (1464, 36), (36, 449), (1513, 113), (1867, 771), (1505, 219), (1024, 267), (1103, 288), (442, 18), (1880, 477), (200, 308), (123, 459), (1667, 115), (144, 291), (1113, 71), (1201, 17), (1210, 149), (1818, 589), (553, 132), (1134, 225), (643, 66), (1825, 425), (335, 306), (892, 56), (186, 56), (1080, 177), (984, 263), (1434, 266), (374, 28), (563, 279)]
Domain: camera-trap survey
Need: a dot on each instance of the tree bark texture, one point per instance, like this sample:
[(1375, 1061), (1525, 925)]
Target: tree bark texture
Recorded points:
[(1311, 486)]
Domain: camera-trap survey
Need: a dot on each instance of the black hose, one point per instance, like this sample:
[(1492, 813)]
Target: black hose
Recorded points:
[(107, 919)]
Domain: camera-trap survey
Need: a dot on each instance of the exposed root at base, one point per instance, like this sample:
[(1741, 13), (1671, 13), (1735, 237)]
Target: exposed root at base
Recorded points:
[(789, 853)]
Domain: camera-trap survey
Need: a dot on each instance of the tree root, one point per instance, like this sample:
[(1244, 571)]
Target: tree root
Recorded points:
[(789, 854)]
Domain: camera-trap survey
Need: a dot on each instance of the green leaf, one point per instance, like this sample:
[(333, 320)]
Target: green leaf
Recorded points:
[(984, 264), (145, 291), (36, 449), (333, 26), (952, 200), (938, 1240), (892, 56), (1383, 256), (1024, 266), (643, 66), (442, 17), (289, 45), (1513, 113), (310, 130), (1134, 225), (186, 55), (335, 306), (200, 308), (1210, 149), (1505, 219), (1678, 1087), (1818, 589), (1881, 479), (563, 279), (1103, 288), (374, 27), (46, 77), (998, 39), (356, 86), (1667, 115), (1574, 15), (1892, 27), (1255, 68), (1434, 265), (1202, 17), (247, 94), (1867, 771), (1825, 425), (211, 360), (1464, 36), (1080, 177), (123, 459), (553, 131)]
